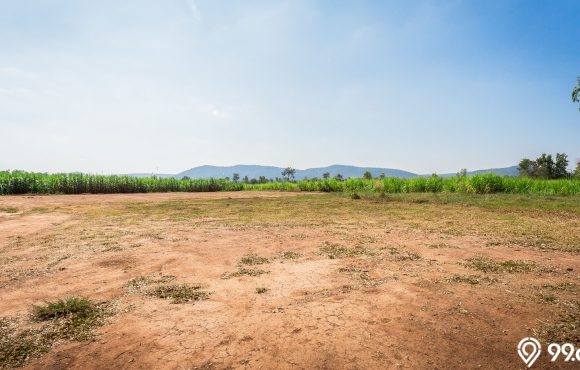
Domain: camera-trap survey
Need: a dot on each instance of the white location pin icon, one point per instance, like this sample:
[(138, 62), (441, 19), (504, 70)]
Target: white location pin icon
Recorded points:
[(529, 350)]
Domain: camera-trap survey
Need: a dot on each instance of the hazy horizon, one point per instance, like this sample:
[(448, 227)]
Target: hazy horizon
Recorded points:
[(161, 87), (261, 165)]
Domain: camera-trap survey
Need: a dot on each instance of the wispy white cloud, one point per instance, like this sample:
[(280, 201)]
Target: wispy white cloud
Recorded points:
[(194, 9)]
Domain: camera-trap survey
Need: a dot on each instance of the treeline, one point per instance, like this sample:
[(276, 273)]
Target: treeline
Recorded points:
[(545, 167), (19, 182)]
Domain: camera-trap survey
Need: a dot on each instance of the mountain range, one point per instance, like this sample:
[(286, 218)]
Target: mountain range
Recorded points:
[(271, 172)]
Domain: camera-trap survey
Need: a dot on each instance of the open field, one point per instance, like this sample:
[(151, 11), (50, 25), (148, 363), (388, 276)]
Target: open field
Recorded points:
[(286, 280)]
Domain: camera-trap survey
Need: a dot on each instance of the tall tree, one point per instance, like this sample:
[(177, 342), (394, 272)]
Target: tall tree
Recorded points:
[(545, 165), (561, 166), (326, 175), (367, 175), (236, 177), (288, 173), (527, 167)]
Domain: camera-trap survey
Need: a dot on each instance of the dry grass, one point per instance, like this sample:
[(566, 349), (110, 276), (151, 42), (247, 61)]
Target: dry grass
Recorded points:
[(72, 319), (178, 293), (252, 259), (486, 264), (243, 271)]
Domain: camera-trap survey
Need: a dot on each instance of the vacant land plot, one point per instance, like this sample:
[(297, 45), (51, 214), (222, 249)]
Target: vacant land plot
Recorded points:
[(284, 280)]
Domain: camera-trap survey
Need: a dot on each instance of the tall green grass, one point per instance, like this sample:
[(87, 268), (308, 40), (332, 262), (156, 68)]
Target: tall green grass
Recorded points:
[(19, 182)]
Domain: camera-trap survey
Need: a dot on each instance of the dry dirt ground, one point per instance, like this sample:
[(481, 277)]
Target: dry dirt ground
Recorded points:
[(291, 280)]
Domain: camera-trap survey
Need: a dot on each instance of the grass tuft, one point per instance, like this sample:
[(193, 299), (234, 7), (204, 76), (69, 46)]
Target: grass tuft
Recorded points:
[(289, 255), (73, 319), (261, 290), (74, 307), (335, 251), (486, 264), (252, 259), (243, 271), (179, 293), (140, 282)]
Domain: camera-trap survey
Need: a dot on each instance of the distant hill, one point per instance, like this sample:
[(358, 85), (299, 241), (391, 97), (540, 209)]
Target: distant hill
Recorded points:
[(271, 172), (353, 171), (503, 171), (253, 171)]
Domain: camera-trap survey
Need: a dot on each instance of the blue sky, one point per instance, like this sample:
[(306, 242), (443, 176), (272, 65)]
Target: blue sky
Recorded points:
[(145, 86)]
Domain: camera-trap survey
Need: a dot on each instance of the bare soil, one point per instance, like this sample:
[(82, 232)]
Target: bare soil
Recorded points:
[(370, 283)]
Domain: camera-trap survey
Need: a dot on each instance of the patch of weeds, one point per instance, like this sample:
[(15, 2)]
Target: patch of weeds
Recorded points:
[(9, 209), (349, 270), (243, 271), (366, 280), (261, 290), (439, 245), (405, 256), (547, 298), (566, 328), (566, 286), (486, 264), (334, 251), (178, 293), (17, 346), (355, 271), (252, 259), (69, 307), (289, 255), (139, 282), (469, 279), (354, 195), (73, 318)]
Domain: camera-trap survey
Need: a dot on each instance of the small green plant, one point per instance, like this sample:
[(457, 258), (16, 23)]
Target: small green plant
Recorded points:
[(9, 209), (261, 290), (74, 307), (354, 195), (252, 259), (179, 293)]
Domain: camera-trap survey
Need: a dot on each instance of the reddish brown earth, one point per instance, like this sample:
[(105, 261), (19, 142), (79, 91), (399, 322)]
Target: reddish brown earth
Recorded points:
[(393, 305)]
